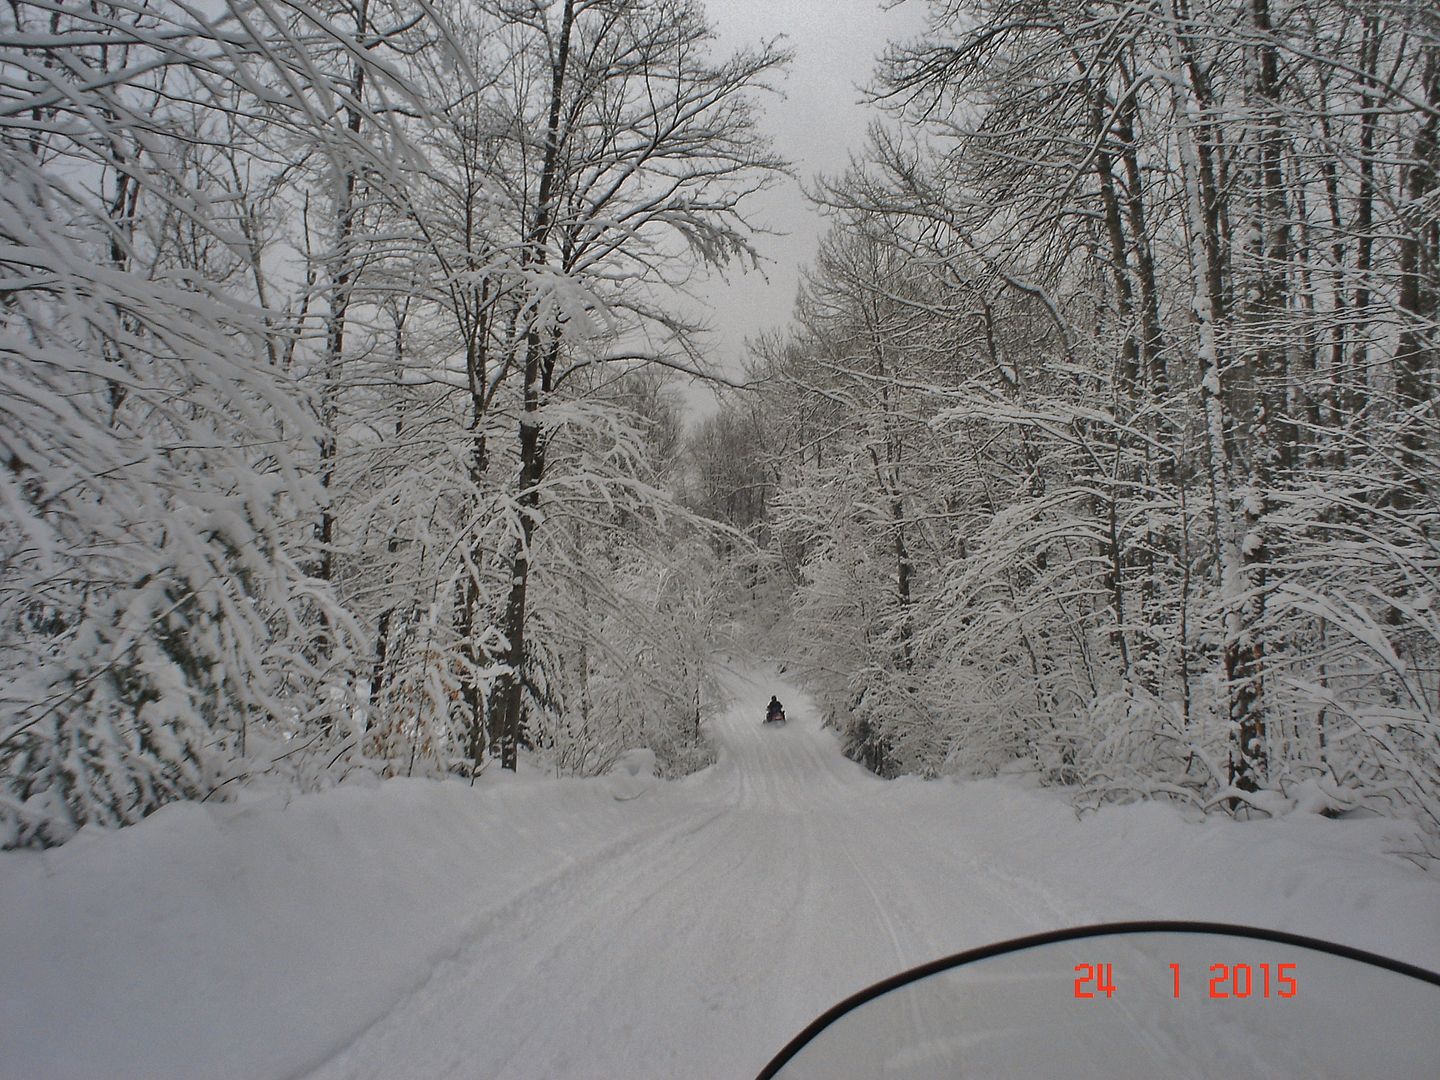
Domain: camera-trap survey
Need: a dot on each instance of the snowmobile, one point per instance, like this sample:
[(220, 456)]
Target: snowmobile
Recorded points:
[(1126, 1001), (777, 718)]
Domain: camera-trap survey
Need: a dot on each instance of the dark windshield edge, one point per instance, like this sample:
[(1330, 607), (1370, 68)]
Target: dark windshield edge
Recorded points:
[(1151, 926)]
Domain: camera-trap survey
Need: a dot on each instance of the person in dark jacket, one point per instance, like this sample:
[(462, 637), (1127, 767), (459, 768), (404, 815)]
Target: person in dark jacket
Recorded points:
[(774, 711)]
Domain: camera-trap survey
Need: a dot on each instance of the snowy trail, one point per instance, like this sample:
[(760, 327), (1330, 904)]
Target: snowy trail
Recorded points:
[(529, 927), (783, 879)]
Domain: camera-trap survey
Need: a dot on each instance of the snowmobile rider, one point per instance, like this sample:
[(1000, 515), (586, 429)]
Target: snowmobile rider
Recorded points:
[(774, 709)]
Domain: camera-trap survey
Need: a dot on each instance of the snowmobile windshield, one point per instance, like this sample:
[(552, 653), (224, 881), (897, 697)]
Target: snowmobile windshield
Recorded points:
[(1135, 1000)]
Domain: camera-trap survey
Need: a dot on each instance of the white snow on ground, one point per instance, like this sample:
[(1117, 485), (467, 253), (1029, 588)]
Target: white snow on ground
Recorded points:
[(623, 927)]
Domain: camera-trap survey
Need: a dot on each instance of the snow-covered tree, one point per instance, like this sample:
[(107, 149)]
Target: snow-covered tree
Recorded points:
[(159, 608), (1174, 343)]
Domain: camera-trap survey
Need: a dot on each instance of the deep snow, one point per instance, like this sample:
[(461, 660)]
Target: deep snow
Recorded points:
[(623, 927)]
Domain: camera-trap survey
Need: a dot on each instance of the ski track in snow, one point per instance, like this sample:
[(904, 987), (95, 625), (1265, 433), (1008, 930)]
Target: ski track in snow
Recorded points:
[(785, 881)]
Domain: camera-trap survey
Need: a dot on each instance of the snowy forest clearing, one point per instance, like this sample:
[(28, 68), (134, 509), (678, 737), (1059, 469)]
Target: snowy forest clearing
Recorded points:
[(531, 927)]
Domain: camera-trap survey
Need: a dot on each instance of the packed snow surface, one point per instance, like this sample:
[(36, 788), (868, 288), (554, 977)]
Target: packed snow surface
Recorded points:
[(621, 927)]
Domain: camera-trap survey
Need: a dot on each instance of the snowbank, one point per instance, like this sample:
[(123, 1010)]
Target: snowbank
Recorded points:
[(252, 940)]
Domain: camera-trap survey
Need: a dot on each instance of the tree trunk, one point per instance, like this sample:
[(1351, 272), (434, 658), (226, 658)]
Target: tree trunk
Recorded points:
[(1200, 148), (342, 282), (1419, 258), (508, 698)]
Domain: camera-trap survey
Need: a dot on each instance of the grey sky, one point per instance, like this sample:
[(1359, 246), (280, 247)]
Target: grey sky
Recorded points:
[(816, 126)]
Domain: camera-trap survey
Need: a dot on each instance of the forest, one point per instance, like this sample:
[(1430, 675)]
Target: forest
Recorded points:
[(341, 354)]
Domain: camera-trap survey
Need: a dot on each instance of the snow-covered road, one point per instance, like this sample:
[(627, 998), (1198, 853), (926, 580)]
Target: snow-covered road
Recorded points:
[(742, 904), (618, 927)]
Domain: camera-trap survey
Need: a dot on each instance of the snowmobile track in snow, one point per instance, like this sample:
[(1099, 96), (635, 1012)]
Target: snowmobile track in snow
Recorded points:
[(744, 900)]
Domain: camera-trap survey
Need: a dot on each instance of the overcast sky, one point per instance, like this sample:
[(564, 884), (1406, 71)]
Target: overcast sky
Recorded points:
[(815, 125)]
